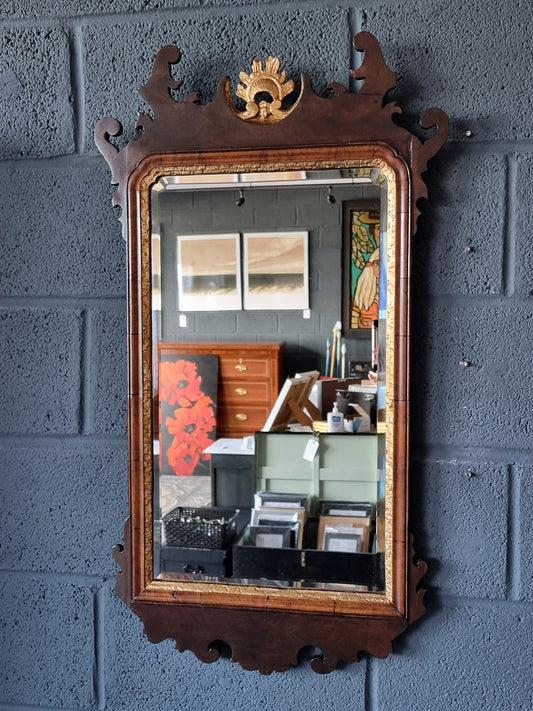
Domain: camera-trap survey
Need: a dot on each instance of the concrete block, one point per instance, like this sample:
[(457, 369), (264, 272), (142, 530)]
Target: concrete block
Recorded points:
[(525, 542), (47, 642), (169, 297), (257, 323), (326, 264), (223, 200), (210, 323), (459, 216), (327, 301), (524, 229), (306, 344), (64, 506), (108, 364), (173, 331), (464, 650), (328, 237), (112, 77), (68, 228), (232, 219), (25, 9), (329, 316), (325, 215), (470, 560), (190, 222), (294, 323), (37, 116), (175, 200), (278, 219), (456, 57), (40, 374), (296, 196), (481, 405)]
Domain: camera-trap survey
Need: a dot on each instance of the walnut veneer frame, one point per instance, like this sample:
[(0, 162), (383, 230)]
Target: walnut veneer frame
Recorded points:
[(266, 627)]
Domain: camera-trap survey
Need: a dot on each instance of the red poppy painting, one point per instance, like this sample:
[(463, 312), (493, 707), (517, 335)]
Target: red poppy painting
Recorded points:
[(187, 412)]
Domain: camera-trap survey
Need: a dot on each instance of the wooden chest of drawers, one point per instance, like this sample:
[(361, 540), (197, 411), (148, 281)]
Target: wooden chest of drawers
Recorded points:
[(249, 381)]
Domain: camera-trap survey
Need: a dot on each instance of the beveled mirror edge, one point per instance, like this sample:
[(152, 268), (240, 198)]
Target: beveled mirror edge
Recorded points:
[(195, 624)]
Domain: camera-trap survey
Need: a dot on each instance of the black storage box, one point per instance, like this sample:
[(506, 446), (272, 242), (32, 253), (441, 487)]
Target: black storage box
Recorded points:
[(207, 527), (233, 480), (308, 565), (213, 562), (206, 560)]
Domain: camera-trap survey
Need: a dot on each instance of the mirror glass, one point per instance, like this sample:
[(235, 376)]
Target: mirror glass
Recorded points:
[(269, 343)]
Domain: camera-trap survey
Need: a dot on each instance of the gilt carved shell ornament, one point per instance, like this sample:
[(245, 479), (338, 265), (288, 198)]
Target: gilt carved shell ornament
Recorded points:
[(268, 81)]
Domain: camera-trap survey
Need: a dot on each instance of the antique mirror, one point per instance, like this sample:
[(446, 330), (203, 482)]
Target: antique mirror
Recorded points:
[(268, 237)]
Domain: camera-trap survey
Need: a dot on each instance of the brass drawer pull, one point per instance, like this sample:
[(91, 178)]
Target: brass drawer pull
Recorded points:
[(241, 391), (241, 367), (241, 416)]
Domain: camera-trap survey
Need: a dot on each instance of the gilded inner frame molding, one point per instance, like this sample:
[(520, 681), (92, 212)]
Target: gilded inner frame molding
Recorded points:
[(286, 598)]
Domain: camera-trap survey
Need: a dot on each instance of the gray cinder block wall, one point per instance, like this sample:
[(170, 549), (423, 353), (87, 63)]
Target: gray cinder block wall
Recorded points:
[(66, 642)]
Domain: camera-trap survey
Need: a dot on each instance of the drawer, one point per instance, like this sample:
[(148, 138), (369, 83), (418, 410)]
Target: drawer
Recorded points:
[(245, 418), (244, 392), (235, 367)]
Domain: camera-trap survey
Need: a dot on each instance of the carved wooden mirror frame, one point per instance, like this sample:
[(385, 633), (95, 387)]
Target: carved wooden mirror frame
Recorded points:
[(266, 628)]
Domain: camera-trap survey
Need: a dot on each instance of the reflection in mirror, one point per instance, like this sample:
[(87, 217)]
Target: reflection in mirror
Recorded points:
[(269, 378)]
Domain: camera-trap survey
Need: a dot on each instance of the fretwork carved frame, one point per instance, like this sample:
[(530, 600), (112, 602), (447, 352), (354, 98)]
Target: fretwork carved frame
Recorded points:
[(266, 629)]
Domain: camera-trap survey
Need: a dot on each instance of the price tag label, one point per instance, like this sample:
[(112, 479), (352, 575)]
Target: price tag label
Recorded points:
[(311, 448)]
